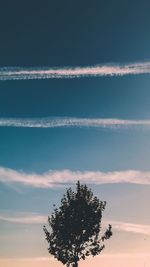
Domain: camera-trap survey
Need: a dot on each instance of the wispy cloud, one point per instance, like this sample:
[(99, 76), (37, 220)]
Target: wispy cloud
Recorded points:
[(104, 255), (54, 178), (59, 122), (33, 218), (26, 259), (24, 218), (13, 73), (131, 227)]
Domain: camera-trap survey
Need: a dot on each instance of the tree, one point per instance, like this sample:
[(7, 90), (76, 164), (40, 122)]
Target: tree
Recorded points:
[(75, 227)]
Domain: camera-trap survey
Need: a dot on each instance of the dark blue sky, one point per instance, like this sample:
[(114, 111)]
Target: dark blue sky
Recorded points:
[(58, 33)]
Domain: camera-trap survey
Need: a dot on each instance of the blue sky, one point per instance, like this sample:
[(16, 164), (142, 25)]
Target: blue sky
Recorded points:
[(63, 35)]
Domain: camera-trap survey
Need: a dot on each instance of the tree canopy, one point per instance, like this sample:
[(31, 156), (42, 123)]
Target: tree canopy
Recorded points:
[(75, 227)]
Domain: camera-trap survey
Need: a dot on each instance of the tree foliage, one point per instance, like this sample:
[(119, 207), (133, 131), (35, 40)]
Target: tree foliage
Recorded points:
[(75, 227)]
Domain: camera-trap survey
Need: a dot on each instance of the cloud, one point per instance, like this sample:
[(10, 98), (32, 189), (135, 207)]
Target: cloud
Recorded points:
[(17, 73), (24, 219), (54, 178), (104, 255), (66, 122), (131, 227), (32, 259), (33, 218)]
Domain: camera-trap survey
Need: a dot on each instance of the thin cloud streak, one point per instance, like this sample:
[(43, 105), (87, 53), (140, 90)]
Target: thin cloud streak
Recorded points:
[(32, 259), (17, 73), (131, 227), (104, 255), (57, 178), (33, 218), (70, 122)]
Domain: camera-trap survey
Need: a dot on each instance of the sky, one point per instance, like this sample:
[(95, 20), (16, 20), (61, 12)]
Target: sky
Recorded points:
[(74, 104)]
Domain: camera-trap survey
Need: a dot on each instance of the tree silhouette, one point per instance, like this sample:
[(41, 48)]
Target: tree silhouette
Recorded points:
[(75, 227)]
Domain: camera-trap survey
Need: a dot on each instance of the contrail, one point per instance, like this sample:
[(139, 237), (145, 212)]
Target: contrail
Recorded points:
[(19, 73), (68, 122)]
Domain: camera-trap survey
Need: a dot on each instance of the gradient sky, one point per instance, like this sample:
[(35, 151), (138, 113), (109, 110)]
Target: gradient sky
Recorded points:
[(62, 34)]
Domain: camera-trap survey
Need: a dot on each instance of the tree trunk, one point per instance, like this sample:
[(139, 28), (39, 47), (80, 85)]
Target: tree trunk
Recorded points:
[(75, 260), (75, 264)]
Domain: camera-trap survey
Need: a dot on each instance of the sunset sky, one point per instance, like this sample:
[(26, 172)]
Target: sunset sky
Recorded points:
[(74, 104)]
